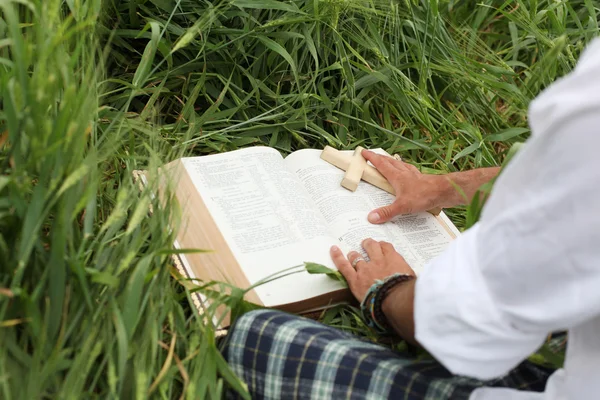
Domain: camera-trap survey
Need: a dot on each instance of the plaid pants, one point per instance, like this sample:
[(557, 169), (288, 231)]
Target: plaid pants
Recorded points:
[(280, 355)]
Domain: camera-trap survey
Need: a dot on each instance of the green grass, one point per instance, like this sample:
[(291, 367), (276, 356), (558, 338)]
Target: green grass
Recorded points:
[(91, 90)]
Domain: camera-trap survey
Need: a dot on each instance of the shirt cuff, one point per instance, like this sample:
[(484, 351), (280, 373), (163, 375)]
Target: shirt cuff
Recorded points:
[(458, 321)]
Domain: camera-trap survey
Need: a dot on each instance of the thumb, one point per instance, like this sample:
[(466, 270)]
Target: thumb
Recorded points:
[(384, 214)]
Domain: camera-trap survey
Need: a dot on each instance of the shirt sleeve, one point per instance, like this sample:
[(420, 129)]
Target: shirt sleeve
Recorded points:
[(530, 266)]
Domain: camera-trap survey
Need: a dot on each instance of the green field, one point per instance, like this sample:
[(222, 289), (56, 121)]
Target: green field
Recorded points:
[(91, 90)]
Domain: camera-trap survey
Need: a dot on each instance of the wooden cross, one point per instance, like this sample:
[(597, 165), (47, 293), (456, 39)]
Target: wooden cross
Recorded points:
[(357, 169)]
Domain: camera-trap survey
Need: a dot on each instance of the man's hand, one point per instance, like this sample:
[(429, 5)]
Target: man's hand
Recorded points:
[(417, 192), (384, 261), (398, 306)]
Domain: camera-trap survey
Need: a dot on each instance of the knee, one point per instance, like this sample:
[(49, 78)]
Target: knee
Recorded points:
[(252, 318), (249, 327)]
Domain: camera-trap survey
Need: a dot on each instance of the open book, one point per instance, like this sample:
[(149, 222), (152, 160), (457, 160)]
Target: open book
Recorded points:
[(261, 213)]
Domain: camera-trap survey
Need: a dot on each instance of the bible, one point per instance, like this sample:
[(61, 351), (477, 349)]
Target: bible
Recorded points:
[(259, 213)]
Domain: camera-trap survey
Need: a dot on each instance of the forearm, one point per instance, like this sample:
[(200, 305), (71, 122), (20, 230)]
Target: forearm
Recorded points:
[(458, 188), (398, 308)]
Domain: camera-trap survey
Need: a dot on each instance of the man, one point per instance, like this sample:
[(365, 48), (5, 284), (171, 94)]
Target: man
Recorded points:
[(529, 267)]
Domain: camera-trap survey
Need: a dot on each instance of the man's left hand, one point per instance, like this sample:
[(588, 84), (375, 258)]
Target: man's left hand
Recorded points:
[(360, 274)]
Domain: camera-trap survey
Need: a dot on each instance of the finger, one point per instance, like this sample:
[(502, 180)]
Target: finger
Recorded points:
[(382, 163), (384, 214), (342, 264), (398, 163), (356, 260), (373, 249), (387, 248), (411, 167)]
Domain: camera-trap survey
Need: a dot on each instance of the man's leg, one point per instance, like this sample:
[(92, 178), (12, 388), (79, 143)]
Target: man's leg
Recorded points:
[(280, 355)]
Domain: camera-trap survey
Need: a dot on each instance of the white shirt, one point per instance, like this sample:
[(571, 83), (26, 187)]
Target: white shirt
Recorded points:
[(531, 265)]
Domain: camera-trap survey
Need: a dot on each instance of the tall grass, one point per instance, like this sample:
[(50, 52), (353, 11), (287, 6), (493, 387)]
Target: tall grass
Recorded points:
[(91, 90)]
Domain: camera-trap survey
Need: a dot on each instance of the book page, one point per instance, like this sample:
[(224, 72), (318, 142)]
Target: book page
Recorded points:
[(267, 219), (418, 237)]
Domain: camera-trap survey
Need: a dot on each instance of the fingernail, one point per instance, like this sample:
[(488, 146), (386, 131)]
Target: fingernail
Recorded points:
[(374, 217), (335, 249)]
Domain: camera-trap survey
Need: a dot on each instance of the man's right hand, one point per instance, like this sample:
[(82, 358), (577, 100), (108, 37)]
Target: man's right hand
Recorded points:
[(415, 191)]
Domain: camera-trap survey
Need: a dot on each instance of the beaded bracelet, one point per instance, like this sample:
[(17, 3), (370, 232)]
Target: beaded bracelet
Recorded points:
[(371, 304)]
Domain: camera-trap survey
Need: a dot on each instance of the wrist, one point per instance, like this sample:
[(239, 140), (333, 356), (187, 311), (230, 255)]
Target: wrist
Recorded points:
[(371, 305), (398, 308), (458, 188), (401, 296), (443, 191)]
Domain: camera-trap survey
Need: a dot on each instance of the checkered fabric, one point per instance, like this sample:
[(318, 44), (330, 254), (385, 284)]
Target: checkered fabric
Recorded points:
[(282, 356)]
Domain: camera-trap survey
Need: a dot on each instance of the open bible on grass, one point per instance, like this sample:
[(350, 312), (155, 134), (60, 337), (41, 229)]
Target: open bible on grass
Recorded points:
[(261, 213)]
